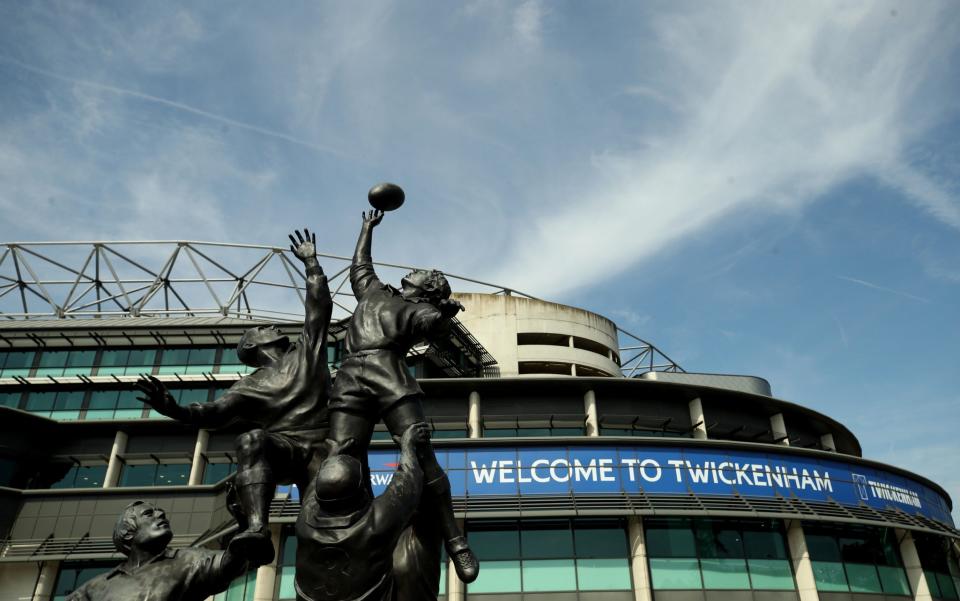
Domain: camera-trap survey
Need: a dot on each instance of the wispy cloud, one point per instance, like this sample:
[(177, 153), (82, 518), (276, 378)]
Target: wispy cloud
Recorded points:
[(883, 288), (174, 105), (790, 100)]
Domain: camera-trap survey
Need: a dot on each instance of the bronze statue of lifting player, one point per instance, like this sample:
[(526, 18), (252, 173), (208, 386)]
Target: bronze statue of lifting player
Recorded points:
[(286, 396), (373, 382)]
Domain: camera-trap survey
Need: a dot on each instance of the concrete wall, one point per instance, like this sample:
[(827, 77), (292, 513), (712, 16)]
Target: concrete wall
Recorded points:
[(496, 320), (18, 580)]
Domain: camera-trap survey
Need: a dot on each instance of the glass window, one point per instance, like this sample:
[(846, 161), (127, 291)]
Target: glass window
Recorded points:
[(114, 404), (546, 541), (287, 562), (670, 538), (669, 573), (72, 575), (893, 580), (79, 362), (856, 559), (83, 476), (41, 402), (724, 574), (173, 360), (139, 475), (128, 407), (551, 555), (67, 405), (173, 474), (771, 574), (187, 360), (129, 362), (215, 472), (829, 576), (10, 399), (16, 363), (241, 589), (52, 363), (863, 578)]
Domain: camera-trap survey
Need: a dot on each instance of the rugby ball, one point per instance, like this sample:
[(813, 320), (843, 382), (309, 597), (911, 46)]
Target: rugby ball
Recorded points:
[(386, 196)]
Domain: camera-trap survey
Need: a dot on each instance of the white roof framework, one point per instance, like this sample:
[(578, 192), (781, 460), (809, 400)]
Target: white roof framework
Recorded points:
[(180, 278)]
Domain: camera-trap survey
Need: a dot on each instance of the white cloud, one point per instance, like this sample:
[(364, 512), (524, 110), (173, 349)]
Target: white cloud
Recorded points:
[(528, 22), (789, 100)]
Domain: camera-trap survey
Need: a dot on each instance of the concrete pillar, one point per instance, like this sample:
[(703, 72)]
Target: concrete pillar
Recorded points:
[(590, 410), (696, 418), (639, 569), (456, 590), (779, 429), (46, 581), (826, 441), (802, 568), (266, 584), (199, 458), (115, 466), (911, 565), (473, 415)]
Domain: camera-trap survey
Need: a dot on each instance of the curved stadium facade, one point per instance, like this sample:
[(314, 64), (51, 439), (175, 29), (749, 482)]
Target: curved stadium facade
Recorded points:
[(584, 462)]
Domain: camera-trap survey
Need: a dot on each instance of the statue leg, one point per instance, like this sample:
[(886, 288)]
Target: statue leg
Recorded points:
[(351, 432), (255, 484), (398, 418)]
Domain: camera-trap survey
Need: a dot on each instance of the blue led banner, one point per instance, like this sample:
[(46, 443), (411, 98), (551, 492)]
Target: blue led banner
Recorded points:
[(512, 471)]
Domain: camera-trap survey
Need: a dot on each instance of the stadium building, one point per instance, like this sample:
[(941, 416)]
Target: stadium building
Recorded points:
[(584, 462)]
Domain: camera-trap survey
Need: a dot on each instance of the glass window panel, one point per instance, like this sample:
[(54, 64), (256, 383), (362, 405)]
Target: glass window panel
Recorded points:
[(113, 362), (173, 474), (41, 401), (215, 472), (288, 553), (893, 580), (932, 583), (52, 363), (718, 538), (822, 547), (496, 544), (443, 575), (96, 414), (597, 574), (496, 576), (440, 434), (18, 363), (771, 574), (140, 361), (829, 576), (670, 538), (90, 476), (201, 360), (858, 549), (103, 399), (79, 362), (68, 479), (601, 542), (566, 431), (188, 396), (127, 399), (532, 432), (174, 360), (549, 575), (139, 475), (65, 415), (725, 574), (762, 543), (499, 432), (128, 414), (546, 543), (71, 400), (863, 578), (675, 574), (889, 548), (947, 589), (10, 399), (287, 592)]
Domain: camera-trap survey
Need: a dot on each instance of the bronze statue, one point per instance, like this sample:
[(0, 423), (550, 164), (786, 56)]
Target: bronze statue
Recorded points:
[(373, 382), (286, 396), (346, 538), (153, 571)]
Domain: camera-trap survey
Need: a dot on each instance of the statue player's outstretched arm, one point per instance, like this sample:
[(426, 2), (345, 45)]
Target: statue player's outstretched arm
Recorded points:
[(362, 275), (318, 306), (226, 409)]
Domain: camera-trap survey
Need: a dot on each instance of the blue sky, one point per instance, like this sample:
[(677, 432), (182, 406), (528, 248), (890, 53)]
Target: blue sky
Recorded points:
[(763, 188)]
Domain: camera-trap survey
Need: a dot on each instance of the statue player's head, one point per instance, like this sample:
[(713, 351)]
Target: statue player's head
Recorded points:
[(339, 485), (259, 343), (143, 526), (430, 285)]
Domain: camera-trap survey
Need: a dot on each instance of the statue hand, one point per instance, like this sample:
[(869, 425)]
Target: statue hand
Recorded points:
[(372, 218), (304, 247), (414, 438), (157, 396)]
